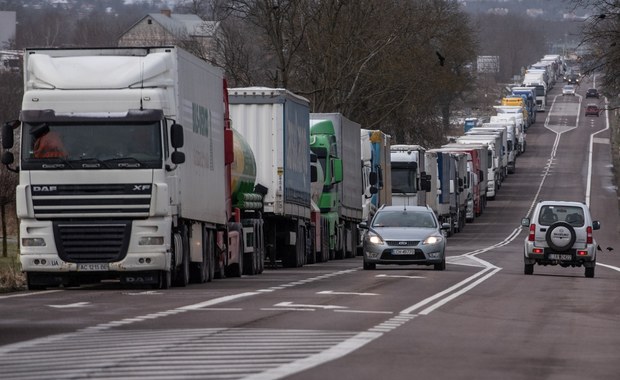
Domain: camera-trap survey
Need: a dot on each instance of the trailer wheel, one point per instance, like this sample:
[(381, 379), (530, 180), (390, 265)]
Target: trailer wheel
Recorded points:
[(198, 270)]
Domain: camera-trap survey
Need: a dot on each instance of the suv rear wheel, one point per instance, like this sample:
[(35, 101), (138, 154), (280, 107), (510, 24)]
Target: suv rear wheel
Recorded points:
[(589, 272)]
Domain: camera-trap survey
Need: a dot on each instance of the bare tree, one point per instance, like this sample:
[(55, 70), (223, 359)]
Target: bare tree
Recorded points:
[(10, 101), (601, 37)]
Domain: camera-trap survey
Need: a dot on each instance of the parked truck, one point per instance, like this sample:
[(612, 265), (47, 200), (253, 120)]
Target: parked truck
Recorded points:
[(104, 191), (477, 166), (411, 181), (376, 162), (453, 187), (336, 141), (529, 96), (275, 123), (493, 158)]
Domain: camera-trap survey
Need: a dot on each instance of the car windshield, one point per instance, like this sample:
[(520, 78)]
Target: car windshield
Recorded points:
[(404, 218), (572, 215)]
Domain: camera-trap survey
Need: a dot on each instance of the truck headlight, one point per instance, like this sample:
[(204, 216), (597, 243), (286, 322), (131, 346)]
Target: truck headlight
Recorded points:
[(151, 240)]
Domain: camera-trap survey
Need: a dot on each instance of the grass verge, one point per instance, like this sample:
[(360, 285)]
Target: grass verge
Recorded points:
[(11, 277)]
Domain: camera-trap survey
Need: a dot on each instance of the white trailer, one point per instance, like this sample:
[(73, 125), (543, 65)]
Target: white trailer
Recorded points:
[(117, 199), (275, 123)]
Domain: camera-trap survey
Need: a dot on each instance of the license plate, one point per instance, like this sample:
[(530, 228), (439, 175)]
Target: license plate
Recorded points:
[(560, 256), (93, 267), (403, 251)]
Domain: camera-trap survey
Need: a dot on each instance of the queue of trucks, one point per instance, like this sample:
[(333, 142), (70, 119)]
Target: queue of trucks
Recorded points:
[(163, 175)]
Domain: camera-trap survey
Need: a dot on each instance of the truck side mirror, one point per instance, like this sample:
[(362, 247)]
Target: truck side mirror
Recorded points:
[(177, 157), (7, 133), (176, 135), (7, 158), (373, 190), (372, 178), (313, 173), (337, 169)]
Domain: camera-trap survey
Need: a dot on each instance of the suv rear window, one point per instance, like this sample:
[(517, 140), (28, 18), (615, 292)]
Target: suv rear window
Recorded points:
[(570, 214)]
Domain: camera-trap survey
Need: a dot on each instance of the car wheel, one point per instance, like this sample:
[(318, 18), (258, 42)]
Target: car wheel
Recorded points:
[(528, 269), (441, 265), (369, 266), (589, 272), (560, 236)]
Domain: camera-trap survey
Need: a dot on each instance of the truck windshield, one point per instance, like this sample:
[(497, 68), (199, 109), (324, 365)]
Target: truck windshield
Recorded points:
[(403, 180), (80, 145)]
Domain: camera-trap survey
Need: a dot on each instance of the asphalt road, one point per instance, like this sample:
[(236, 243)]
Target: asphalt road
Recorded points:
[(482, 318)]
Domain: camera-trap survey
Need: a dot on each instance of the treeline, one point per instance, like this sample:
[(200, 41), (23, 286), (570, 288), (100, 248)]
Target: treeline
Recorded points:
[(403, 66)]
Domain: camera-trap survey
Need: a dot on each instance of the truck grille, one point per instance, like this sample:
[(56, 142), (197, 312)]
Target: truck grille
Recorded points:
[(92, 242), (96, 200)]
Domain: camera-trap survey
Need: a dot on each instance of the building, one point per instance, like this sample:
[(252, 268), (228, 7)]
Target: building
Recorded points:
[(165, 28)]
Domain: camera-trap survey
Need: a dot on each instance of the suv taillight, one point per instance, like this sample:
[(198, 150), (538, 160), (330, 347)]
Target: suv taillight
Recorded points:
[(532, 232), (589, 234)]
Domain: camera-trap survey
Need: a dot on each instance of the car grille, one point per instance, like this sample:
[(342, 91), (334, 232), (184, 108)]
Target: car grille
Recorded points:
[(92, 242), (88, 201), (402, 243), (418, 255)]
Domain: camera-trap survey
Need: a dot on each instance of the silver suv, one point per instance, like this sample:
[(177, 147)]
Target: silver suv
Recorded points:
[(560, 233)]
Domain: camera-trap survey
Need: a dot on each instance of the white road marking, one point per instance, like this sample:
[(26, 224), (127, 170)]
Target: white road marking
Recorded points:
[(71, 305), (28, 294), (397, 276), (326, 307), (347, 293), (363, 311)]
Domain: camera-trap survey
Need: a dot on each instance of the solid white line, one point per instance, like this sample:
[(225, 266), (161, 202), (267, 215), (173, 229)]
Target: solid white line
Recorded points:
[(441, 294), (364, 311), (31, 294), (591, 153), (458, 293), (609, 266)]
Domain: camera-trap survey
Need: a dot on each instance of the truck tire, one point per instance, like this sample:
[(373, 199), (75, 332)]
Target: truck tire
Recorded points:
[(181, 277), (33, 281), (236, 269), (198, 270), (210, 242), (324, 257), (165, 279)]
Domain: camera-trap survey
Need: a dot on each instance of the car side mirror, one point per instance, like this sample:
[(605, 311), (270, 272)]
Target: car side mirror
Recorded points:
[(525, 222), (445, 226), (596, 225), (363, 225)]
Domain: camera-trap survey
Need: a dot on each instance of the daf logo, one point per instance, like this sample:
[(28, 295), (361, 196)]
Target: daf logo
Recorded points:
[(141, 187), (45, 188)]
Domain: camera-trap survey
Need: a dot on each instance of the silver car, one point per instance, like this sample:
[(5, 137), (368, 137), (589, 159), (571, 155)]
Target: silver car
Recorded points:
[(560, 233), (404, 235)]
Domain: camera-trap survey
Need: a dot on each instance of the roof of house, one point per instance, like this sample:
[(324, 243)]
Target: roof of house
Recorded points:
[(182, 24)]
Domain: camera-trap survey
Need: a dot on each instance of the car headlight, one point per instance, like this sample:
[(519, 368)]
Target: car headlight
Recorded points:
[(432, 240), (374, 238)]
